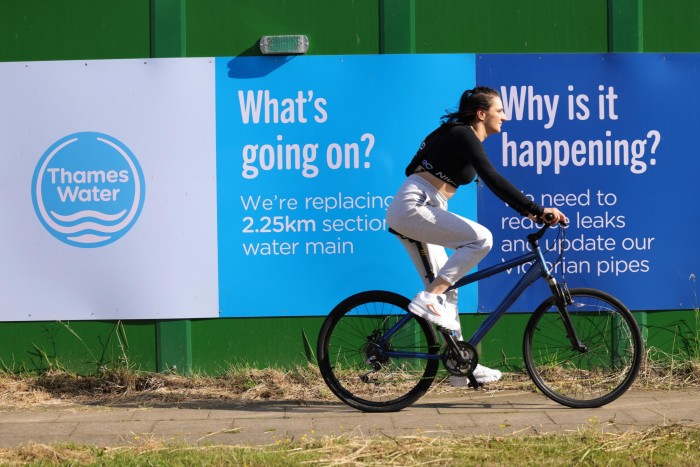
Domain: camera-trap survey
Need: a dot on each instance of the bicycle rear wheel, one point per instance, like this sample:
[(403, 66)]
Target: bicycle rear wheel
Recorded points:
[(352, 355), (590, 378)]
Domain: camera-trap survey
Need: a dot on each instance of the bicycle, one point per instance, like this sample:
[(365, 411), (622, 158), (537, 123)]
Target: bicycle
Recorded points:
[(582, 347)]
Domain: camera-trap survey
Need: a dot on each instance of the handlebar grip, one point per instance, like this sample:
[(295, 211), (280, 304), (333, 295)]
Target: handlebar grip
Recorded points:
[(549, 217)]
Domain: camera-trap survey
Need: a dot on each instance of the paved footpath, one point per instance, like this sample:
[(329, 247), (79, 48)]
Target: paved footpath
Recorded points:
[(497, 413)]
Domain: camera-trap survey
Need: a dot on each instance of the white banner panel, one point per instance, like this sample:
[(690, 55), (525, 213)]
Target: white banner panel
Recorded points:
[(108, 190)]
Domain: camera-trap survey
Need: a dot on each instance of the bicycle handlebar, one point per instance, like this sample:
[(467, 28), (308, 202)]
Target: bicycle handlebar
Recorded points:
[(547, 218)]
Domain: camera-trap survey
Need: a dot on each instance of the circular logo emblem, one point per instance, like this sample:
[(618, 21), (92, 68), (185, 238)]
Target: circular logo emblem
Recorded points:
[(88, 189)]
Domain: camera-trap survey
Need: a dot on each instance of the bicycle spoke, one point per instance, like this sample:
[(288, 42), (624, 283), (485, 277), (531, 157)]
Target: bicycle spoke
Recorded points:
[(353, 353), (598, 375)]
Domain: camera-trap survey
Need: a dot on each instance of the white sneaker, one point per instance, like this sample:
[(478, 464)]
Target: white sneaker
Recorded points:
[(485, 375), (482, 375), (431, 307)]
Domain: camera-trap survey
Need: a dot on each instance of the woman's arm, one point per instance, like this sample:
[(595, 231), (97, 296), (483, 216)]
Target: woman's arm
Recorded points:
[(497, 183)]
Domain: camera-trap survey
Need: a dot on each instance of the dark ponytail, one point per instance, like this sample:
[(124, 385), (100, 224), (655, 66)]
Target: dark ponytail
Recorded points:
[(472, 100)]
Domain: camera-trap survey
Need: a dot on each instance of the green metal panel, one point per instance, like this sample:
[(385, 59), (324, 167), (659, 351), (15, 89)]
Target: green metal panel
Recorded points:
[(675, 334), (76, 29), (219, 344), (503, 346), (282, 342), (511, 26), (671, 26), (277, 342), (234, 27), (80, 346)]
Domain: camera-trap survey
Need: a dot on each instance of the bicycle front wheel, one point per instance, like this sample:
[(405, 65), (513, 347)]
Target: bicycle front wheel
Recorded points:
[(352, 353), (590, 377)]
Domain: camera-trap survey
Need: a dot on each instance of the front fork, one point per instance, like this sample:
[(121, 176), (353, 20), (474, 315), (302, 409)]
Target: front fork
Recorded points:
[(563, 299)]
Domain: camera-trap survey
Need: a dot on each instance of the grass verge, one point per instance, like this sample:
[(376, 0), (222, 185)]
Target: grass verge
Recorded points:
[(671, 445), (246, 383), (668, 445)]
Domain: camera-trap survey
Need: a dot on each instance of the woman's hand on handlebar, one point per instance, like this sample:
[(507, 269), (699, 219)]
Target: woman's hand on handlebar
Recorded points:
[(551, 216), (554, 216)]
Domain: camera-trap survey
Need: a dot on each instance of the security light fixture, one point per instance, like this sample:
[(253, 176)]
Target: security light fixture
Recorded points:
[(284, 45)]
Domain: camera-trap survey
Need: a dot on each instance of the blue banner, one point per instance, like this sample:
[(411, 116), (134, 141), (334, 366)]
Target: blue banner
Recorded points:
[(608, 139), (310, 151)]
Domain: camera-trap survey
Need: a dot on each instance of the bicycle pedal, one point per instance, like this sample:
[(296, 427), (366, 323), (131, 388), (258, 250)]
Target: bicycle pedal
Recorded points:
[(473, 383)]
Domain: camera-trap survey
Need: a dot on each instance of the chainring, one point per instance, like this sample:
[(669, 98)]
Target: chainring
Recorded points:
[(453, 362)]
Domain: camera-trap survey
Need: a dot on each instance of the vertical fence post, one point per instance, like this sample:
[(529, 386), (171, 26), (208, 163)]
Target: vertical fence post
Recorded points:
[(168, 28), (173, 337), (625, 26), (626, 34), (397, 26), (174, 346)]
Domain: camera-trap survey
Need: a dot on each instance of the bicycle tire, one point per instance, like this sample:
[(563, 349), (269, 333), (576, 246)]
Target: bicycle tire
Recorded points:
[(349, 336), (587, 379)]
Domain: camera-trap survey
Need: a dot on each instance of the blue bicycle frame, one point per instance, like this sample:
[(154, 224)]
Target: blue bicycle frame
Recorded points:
[(538, 270)]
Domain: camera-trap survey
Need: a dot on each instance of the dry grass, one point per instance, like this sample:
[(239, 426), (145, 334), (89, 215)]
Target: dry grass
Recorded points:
[(142, 388), (129, 387), (664, 371), (46, 455), (667, 445)]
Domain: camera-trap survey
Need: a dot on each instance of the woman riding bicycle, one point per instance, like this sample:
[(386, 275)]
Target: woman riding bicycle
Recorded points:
[(451, 156)]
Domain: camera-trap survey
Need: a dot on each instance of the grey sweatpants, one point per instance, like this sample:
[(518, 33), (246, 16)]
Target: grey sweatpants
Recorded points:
[(419, 211)]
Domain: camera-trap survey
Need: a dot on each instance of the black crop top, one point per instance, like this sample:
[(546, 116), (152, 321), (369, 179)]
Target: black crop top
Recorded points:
[(454, 154)]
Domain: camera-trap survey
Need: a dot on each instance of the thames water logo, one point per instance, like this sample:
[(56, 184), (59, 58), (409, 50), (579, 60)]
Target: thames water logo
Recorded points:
[(88, 189)]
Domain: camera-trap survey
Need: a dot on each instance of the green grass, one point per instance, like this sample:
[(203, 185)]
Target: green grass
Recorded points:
[(673, 445)]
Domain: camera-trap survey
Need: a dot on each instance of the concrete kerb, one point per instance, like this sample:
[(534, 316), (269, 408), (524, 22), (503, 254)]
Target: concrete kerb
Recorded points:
[(463, 413)]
